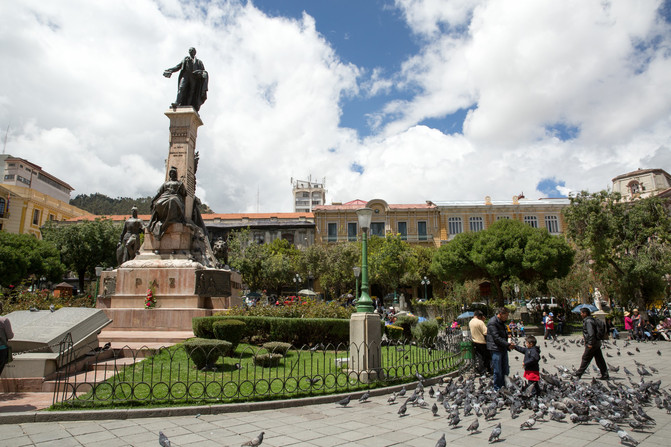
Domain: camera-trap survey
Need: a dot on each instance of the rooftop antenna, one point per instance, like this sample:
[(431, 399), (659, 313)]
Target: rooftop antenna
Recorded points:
[(4, 146)]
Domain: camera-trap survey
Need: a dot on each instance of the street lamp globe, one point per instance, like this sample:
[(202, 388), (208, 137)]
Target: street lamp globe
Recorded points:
[(364, 215)]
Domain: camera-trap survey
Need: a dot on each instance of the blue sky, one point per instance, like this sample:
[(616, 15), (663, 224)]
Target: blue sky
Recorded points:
[(403, 100)]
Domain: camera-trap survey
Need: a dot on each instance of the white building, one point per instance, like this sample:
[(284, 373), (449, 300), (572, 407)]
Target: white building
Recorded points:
[(308, 194)]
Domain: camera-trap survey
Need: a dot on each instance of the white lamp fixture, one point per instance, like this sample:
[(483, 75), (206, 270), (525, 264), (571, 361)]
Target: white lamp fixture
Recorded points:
[(364, 215)]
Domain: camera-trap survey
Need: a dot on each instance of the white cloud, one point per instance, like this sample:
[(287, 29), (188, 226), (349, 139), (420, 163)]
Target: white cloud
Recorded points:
[(84, 95)]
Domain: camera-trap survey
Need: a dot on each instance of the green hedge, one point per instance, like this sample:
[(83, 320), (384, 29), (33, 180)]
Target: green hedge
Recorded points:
[(297, 331), (406, 322), (205, 352), (394, 333), (229, 330), (267, 360), (277, 347)]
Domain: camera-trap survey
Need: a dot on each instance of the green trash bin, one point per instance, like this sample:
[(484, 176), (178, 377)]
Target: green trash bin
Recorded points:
[(466, 350)]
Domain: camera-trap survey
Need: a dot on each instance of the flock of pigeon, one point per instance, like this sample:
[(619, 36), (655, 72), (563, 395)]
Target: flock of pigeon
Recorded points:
[(617, 405)]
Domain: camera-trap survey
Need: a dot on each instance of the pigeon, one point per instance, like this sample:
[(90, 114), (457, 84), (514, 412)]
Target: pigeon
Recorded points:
[(364, 397), (402, 409), (52, 308), (473, 428), (256, 441), (402, 392), (528, 423), (659, 352), (608, 425), (625, 438), (441, 442), (392, 399), (454, 420), (311, 380), (33, 309), (163, 440), (344, 402), (434, 409), (494, 436)]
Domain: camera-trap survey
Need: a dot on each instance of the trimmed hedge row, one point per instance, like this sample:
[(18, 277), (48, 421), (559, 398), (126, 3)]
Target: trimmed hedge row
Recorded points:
[(297, 331)]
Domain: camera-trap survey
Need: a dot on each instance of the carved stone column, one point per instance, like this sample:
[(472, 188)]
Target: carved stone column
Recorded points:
[(184, 123)]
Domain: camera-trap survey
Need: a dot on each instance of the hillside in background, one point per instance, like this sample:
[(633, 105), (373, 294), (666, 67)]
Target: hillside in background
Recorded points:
[(100, 204)]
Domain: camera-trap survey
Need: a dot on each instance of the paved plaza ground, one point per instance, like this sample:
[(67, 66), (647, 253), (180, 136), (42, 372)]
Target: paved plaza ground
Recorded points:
[(374, 423)]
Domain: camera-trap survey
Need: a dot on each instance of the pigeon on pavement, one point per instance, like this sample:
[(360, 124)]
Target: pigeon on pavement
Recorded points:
[(344, 402), (256, 441), (163, 440), (494, 436)]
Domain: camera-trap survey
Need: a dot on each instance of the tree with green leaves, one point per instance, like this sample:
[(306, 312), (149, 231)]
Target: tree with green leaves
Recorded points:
[(247, 256), (84, 245), (629, 242), (392, 261), (507, 249), (22, 255)]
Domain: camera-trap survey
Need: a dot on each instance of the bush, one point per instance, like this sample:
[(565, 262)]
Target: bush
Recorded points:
[(426, 330), (406, 322), (267, 360), (394, 333), (297, 331), (277, 347), (229, 330), (440, 321), (204, 352), (304, 308)]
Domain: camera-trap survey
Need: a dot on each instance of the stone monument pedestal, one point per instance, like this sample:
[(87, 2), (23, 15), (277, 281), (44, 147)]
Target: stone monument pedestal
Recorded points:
[(179, 268), (365, 343)]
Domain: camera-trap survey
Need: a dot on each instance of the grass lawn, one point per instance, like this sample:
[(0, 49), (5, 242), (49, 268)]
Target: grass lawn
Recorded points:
[(171, 378)]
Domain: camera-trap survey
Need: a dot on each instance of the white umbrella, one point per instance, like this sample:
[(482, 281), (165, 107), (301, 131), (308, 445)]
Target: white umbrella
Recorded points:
[(307, 292)]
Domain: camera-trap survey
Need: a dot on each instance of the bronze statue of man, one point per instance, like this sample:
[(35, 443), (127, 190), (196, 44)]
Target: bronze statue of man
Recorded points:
[(193, 80), (129, 242)]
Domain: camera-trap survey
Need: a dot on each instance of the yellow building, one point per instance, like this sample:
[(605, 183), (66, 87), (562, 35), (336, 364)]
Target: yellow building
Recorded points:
[(25, 210), (470, 216), (416, 223)]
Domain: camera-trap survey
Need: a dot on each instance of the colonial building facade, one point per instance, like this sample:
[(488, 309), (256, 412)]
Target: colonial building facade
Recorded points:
[(416, 223), (643, 183), (461, 217), (29, 197)]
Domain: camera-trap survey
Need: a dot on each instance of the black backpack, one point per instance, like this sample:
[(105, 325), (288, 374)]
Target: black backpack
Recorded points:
[(601, 330)]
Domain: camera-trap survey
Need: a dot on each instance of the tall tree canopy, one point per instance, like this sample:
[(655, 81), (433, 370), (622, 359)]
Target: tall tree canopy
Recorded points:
[(507, 249), (22, 255), (85, 245), (629, 242)]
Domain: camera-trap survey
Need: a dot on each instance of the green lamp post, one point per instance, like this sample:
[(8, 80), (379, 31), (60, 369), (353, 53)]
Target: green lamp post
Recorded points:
[(364, 304), (357, 273)]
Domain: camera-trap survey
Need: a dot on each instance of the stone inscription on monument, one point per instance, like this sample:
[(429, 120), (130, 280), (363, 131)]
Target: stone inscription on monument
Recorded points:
[(213, 283)]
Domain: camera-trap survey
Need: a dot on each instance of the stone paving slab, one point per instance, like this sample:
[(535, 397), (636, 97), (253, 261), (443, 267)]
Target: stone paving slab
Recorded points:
[(371, 424)]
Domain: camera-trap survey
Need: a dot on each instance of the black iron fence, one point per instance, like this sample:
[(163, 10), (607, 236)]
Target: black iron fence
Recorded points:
[(183, 375)]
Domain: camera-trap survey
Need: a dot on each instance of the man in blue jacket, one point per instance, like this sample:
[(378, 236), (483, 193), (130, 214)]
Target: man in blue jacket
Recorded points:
[(498, 346)]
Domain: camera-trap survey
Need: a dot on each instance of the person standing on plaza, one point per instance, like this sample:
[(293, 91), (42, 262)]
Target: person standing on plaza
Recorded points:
[(636, 325), (498, 346), (592, 346), (478, 330), (532, 356), (628, 324), (545, 327), (6, 334), (550, 326)]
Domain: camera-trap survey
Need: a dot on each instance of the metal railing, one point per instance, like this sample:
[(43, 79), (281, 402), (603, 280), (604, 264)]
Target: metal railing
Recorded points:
[(182, 375)]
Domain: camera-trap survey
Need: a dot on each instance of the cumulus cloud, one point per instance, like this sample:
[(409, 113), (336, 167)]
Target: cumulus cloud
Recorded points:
[(573, 90)]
